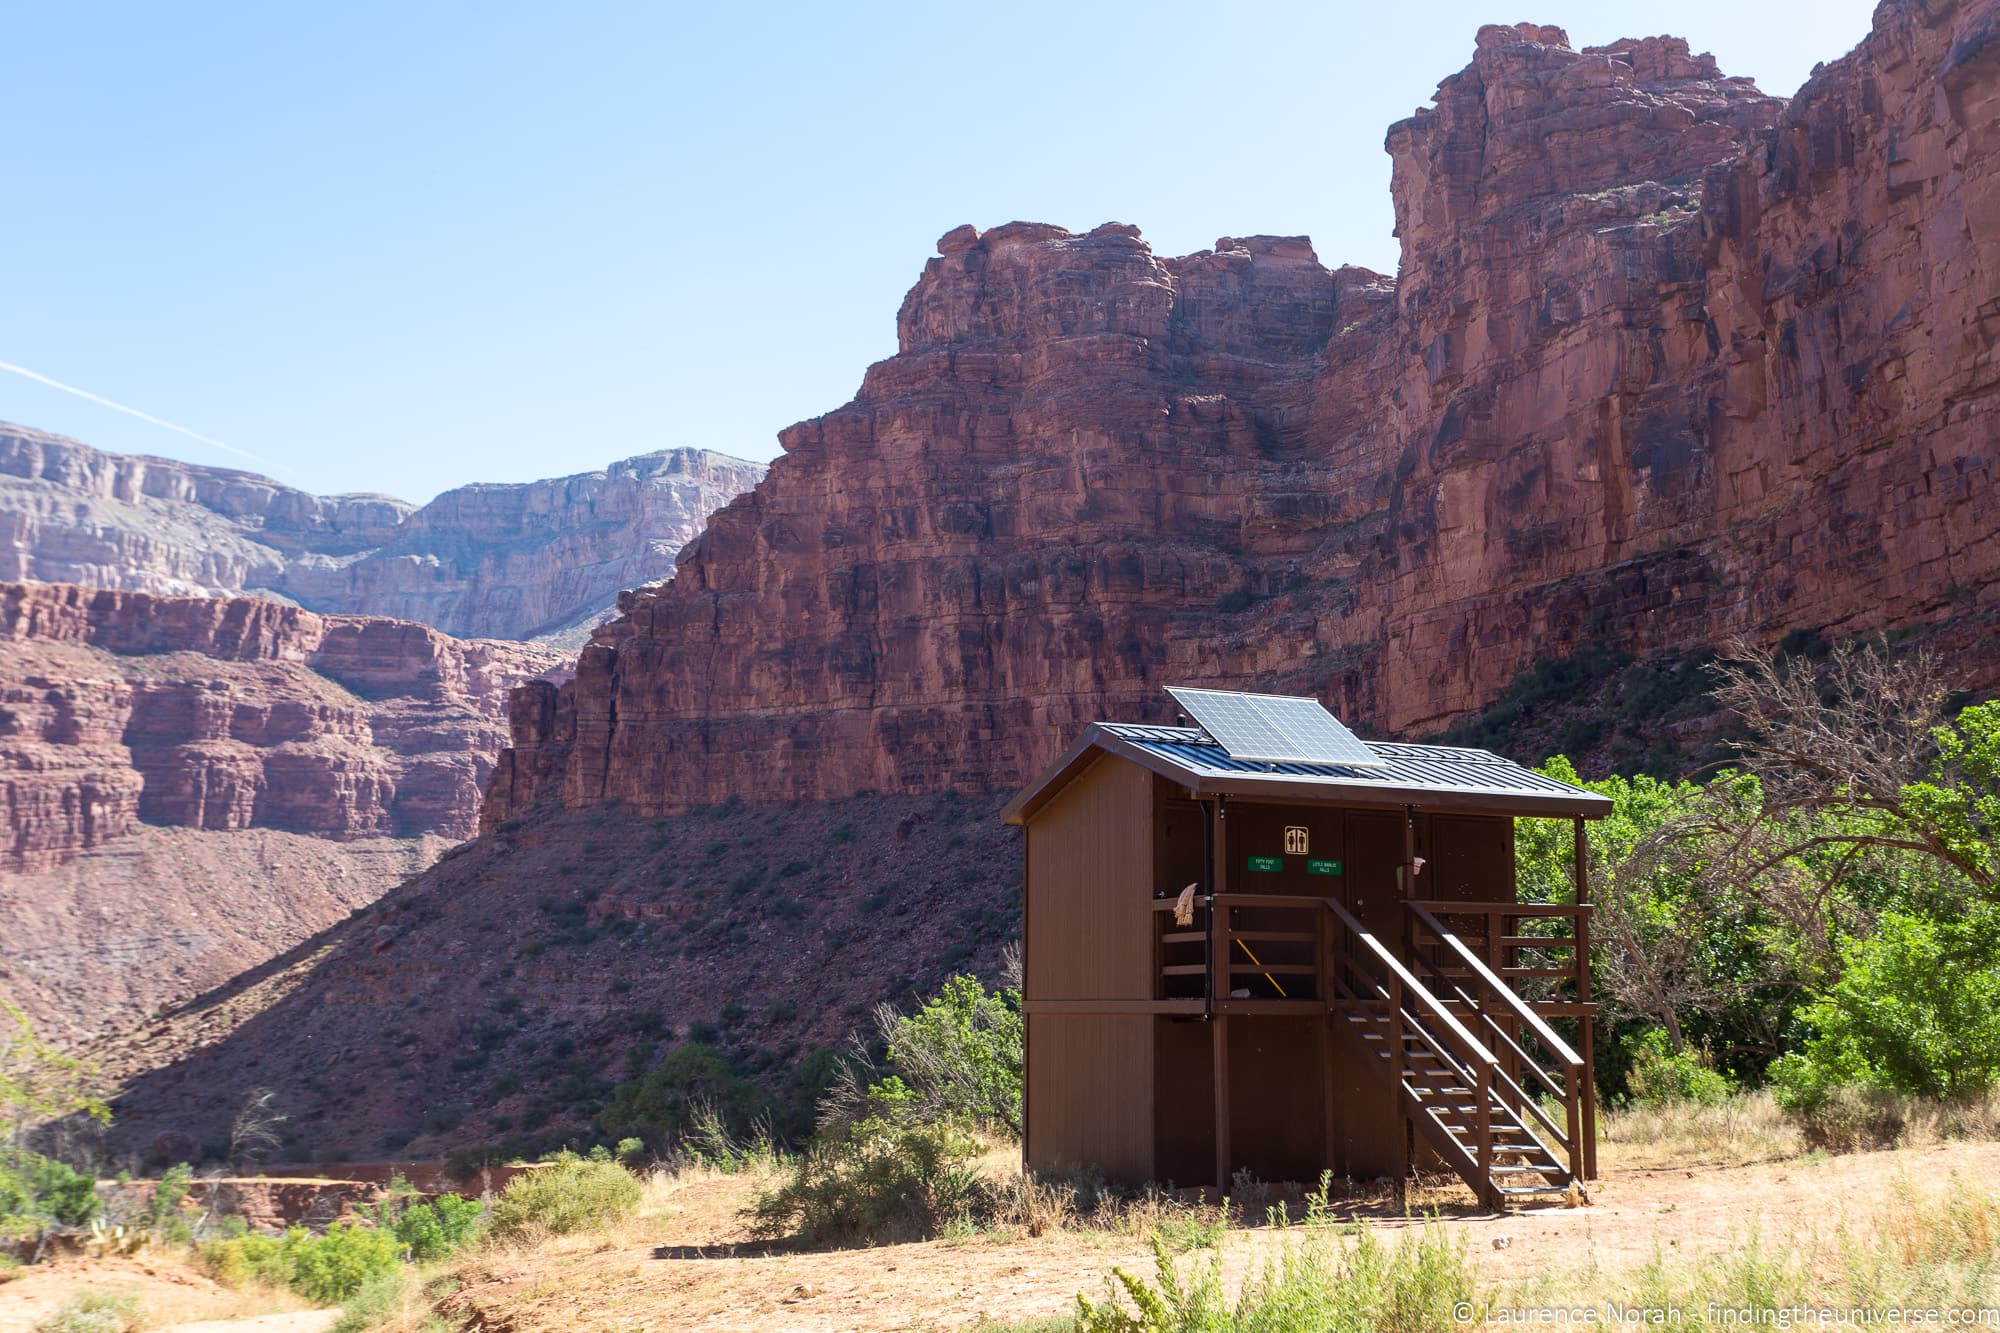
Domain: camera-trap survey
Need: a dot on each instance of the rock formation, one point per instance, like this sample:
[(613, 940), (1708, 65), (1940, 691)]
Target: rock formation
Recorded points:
[(339, 753), (1668, 361), (542, 560), (226, 714)]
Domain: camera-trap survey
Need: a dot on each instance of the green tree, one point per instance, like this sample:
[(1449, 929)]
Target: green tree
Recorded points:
[(961, 1053), (1916, 1010), (693, 1080), (1957, 806), (38, 1082)]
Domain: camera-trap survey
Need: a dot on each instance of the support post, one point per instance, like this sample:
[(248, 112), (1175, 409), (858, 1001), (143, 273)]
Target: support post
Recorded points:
[(1484, 1091), (1218, 981), (1406, 1139), (1586, 1025), (1219, 1029)]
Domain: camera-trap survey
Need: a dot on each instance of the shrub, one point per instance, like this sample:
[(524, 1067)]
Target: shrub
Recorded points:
[(890, 1175), (326, 1269), (377, 1304), (1660, 1075), (428, 1230), (960, 1054), (662, 1104), (94, 1312), (163, 1210), (40, 1190), (569, 1195), (1313, 1284), (1916, 1010)]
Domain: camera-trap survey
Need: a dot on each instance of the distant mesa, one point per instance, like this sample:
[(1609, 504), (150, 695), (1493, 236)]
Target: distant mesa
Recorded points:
[(543, 560)]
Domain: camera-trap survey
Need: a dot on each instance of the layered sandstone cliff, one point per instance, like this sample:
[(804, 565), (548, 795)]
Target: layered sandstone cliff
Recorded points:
[(226, 714), (190, 785), (1667, 361), (541, 560)]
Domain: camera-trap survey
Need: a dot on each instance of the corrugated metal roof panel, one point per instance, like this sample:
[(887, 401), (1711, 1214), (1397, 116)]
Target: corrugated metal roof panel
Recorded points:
[(1437, 767)]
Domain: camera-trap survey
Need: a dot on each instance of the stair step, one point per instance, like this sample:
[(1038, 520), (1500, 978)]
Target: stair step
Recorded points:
[(1523, 1191)]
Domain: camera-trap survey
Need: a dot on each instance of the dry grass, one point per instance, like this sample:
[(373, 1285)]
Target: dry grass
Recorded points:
[(1811, 1223), (1745, 1129), (1750, 1127), (1906, 1244)]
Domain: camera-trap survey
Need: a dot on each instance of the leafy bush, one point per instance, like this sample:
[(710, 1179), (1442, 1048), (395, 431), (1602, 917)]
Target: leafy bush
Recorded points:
[(961, 1053), (163, 1215), (571, 1194), (662, 1105), (94, 1312), (40, 1191), (1659, 1074), (1916, 1010), (432, 1230), (890, 1175), (326, 1269)]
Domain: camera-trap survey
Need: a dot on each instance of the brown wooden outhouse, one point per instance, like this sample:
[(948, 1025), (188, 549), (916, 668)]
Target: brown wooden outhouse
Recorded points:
[(1232, 964)]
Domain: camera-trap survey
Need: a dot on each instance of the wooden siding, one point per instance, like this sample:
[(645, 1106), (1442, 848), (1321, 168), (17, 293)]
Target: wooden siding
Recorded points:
[(1473, 860), (1088, 933), (1183, 1102), (1090, 1094), (1277, 1116)]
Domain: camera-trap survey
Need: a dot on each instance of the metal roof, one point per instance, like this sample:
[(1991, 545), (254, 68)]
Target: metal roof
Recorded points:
[(1427, 776)]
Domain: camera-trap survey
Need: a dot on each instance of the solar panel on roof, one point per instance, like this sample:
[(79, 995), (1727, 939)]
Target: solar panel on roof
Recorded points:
[(1274, 728)]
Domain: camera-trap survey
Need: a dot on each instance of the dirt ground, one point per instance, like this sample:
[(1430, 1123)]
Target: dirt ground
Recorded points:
[(171, 1296), (684, 1264)]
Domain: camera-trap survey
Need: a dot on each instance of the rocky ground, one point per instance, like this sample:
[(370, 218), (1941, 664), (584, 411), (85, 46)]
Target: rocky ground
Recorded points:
[(504, 991)]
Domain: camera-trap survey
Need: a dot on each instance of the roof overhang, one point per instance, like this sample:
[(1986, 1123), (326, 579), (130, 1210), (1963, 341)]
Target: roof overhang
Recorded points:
[(1300, 789)]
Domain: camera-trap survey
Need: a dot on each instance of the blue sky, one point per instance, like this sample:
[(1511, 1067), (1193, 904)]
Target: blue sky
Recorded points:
[(402, 247)]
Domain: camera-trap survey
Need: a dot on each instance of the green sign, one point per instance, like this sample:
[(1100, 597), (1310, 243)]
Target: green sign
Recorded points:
[(1270, 864), (1322, 867)]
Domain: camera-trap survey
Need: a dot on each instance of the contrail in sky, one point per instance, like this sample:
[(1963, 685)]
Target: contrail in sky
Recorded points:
[(130, 411)]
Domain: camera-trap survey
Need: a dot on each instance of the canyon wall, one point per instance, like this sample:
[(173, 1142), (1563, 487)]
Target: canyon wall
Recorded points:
[(1667, 361), (191, 785), (226, 714), (541, 560)]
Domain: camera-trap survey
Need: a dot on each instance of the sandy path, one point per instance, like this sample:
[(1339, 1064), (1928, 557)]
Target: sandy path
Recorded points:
[(170, 1294)]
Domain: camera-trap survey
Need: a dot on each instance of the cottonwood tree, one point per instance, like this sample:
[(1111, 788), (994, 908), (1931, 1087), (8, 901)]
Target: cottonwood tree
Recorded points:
[(1857, 755)]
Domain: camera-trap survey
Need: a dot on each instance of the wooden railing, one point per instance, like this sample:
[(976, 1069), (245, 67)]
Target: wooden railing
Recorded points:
[(1367, 981), (1532, 956), (1473, 983), (1503, 1018), (1245, 942)]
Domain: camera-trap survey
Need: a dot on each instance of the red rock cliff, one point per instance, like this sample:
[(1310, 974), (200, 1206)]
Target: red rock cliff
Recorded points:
[(1667, 361), (226, 714)]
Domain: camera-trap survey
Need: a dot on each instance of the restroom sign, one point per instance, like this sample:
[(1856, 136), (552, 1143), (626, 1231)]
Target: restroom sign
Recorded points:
[(1297, 841)]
